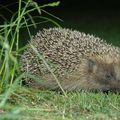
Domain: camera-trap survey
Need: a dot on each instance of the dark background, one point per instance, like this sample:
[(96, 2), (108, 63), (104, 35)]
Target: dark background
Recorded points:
[(71, 9), (98, 17), (73, 5), (77, 4)]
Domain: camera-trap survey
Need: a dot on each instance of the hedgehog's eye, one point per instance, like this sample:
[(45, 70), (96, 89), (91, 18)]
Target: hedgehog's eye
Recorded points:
[(109, 76)]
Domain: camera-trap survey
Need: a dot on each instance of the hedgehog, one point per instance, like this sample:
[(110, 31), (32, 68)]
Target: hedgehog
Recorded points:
[(79, 61)]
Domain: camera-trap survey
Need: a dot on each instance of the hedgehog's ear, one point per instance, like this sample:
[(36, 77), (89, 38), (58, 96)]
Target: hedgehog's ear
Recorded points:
[(92, 66)]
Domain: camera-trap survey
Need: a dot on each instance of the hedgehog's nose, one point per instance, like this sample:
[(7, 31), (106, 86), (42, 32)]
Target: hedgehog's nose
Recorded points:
[(116, 90), (116, 87)]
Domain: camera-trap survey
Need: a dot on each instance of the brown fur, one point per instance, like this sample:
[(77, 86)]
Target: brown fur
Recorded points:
[(90, 74), (76, 67)]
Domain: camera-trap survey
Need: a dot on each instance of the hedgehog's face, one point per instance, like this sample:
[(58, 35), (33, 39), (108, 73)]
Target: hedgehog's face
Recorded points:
[(107, 75)]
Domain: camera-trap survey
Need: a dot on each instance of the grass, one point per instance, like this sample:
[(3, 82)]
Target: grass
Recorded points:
[(49, 105), (19, 102)]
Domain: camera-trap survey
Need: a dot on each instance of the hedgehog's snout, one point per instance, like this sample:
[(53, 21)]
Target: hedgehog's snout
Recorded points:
[(105, 73), (110, 75)]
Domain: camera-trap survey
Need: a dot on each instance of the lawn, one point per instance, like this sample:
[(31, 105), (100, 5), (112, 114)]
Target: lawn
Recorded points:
[(20, 102), (31, 104)]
